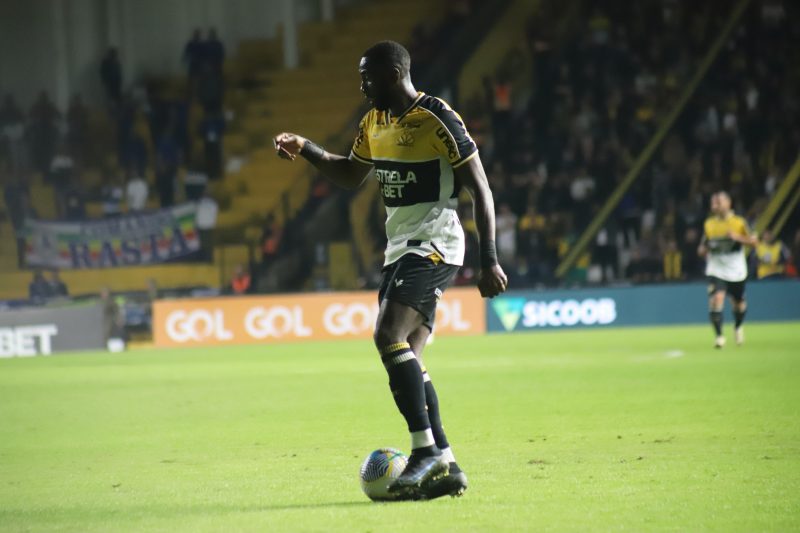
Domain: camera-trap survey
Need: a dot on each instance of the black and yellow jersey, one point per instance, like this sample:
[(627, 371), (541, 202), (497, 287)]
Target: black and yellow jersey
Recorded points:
[(726, 258), (414, 155), (771, 259)]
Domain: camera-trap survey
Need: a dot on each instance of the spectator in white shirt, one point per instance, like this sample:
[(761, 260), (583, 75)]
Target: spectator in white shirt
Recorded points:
[(136, 192), (207, 210), (112, 196), (506, 224)]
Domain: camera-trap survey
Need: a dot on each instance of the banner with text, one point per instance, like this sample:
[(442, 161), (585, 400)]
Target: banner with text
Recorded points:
[(46, 330), (262, 319), (649, 305), (133, 239)]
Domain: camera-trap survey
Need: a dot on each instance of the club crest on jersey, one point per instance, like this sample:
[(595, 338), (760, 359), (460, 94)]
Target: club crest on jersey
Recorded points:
[(406, 139)]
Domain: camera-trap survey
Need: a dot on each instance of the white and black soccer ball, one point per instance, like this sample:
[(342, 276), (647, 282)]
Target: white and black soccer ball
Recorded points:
[(379, 470)]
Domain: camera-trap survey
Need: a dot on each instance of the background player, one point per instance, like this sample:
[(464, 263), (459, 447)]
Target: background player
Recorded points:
[(724, 238), (422, 155)]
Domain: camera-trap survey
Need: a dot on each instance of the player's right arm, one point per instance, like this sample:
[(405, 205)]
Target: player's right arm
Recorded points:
[(344, 171), (702, 249)]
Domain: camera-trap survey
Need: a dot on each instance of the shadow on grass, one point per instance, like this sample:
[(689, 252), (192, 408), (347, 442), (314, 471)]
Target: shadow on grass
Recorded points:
[(82, 514), (290, 507)]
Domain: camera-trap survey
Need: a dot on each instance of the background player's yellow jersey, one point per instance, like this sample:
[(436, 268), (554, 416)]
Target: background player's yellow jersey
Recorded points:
[(726, 259), (414, 156)]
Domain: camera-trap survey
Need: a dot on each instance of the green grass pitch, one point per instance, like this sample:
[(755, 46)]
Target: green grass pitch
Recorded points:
[(646, 429)]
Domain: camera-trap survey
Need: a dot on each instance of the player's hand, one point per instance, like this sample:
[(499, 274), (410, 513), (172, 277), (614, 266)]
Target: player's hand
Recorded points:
[(492, 282), (288, 145), (702, 250)]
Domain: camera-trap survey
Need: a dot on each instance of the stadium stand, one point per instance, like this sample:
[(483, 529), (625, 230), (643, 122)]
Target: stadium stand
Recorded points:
[(561, 101)]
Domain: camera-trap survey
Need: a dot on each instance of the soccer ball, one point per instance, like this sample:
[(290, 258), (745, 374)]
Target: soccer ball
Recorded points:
[(379, 470)]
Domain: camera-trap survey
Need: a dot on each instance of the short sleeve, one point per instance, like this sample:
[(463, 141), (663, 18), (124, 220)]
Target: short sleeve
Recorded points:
[(744, 228), (361, 150), (451, 138)]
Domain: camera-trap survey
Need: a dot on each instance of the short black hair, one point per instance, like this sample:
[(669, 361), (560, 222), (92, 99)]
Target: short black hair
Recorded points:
[(390, 54)]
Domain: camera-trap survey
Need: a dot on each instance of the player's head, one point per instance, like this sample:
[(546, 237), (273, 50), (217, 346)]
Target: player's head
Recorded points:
[(720, 203), (384, 67)]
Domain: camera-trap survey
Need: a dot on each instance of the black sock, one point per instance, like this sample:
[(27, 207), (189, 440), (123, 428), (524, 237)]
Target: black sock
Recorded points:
[(716, 321), (405, 380), (432, 401), (738, 317)]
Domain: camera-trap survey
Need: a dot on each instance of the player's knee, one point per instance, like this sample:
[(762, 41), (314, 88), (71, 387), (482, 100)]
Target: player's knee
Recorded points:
[(717, 301), (386, 336)]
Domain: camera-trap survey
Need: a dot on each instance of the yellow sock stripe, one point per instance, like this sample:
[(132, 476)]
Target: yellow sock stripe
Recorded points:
[(396, 347), (401, 358)]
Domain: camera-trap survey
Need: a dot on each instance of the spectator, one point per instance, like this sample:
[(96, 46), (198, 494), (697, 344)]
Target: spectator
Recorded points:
[(771, 257), (168, 159), (693, 265), (113, 321), (74, 204), (212, 129), (18, 204), (43, 131), (605, 253), (214, 51), (12, 133), (207, 210), (39, 288), (506, 228), (672, 262), (637, 270), (112, 195), (210, 90), (271, 237), (136, 192), (500, 100), (111, 76), (57, 287), (194, 56), (134, 155), (240, 284), (195, 183), (62, 167), (581, 190)]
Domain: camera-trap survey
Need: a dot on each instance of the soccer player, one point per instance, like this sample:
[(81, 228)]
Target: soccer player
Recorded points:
[(422, 156), (725, 236)]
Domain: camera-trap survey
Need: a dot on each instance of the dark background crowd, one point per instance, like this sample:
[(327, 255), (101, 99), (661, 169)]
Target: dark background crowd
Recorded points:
[(555, 141), (556, 148)]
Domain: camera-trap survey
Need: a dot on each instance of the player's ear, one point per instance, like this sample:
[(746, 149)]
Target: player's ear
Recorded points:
[(396, 75)]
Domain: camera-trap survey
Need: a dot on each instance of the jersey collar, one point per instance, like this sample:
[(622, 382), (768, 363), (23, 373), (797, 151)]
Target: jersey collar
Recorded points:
[(420, 94)]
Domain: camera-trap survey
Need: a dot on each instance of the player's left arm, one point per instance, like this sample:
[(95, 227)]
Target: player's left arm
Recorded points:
[(491, 280), (744, 235)]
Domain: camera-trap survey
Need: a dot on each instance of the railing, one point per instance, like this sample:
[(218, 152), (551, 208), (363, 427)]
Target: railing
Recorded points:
[(780, 198)]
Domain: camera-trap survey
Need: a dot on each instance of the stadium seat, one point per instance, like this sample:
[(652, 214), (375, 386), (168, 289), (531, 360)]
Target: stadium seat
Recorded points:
[(15, 284)]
